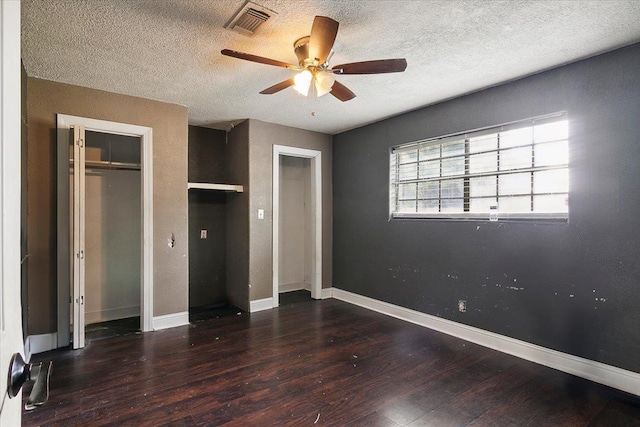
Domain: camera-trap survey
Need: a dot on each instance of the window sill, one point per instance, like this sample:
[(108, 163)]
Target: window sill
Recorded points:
[(530, 217)]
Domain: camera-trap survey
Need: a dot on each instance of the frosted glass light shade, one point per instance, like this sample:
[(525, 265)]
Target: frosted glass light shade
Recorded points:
[(324, 83), (303, 82)]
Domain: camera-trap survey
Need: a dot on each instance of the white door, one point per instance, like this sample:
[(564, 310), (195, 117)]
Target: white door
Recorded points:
[(78, 235), (10, 127)]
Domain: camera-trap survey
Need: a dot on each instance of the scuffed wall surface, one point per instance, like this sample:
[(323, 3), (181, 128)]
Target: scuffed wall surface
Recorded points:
[(262, 137), (169, 122), (570, 287)]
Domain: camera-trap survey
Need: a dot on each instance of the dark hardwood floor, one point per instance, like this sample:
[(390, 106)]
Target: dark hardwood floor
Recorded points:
[(314, 363)]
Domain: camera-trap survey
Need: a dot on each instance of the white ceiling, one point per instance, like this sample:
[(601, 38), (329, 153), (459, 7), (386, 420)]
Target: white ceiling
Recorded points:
[(169, 50)]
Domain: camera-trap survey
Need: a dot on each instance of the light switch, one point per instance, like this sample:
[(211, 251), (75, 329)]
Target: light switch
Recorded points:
[(260, 213), (203, 234)]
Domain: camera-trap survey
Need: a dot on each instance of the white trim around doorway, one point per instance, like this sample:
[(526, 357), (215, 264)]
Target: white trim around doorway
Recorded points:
[(316, 209), (64, 123)]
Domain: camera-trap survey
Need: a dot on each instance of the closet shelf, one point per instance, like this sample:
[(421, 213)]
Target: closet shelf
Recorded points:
[(219, 187)]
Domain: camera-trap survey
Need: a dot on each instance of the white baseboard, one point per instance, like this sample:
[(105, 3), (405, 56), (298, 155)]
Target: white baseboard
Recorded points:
[(261, 304), (111, 314), (35, 344), (170, 320), (326, 293), (594, 371), (298, 286)]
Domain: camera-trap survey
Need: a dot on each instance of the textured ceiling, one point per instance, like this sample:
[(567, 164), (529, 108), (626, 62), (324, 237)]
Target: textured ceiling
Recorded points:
[(169, 50)]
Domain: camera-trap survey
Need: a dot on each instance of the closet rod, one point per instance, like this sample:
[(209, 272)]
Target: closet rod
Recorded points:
[(104, 164)]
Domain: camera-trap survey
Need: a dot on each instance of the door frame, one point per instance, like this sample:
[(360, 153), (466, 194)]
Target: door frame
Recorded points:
[(316, 215), (64, 123)]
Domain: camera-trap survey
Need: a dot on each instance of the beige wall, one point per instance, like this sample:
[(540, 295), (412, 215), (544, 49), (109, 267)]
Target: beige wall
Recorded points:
[(262, 137), (169, 122)]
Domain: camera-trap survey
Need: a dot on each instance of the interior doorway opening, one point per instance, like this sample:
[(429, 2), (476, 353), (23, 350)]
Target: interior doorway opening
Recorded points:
[(297, 221), (113, 246), (295, 239), (105, 190)]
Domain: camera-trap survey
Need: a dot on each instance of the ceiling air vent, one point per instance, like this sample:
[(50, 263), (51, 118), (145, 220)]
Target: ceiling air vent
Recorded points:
[(249, 18)]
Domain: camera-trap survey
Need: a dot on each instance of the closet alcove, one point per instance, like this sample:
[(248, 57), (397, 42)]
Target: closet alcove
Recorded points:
[(209, 192), (112, 234)]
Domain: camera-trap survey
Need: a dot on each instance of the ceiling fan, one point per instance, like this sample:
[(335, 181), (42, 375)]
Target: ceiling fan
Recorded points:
[(315, 74)]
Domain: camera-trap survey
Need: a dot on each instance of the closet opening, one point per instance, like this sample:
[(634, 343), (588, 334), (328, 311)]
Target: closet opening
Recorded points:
[(113, 246), (297, 224), (105, 224)]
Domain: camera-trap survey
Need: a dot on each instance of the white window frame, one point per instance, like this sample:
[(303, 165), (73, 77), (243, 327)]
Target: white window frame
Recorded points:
[(395, 181)]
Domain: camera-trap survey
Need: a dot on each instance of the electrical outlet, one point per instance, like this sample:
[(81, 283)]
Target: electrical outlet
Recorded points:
[(462, 306), (260, 213), (203, 234)]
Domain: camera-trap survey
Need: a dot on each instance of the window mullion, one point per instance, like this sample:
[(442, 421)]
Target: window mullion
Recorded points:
[(397, 181), (533, 165), (417, 176), (440, 183), (466, 203), (498, 170)]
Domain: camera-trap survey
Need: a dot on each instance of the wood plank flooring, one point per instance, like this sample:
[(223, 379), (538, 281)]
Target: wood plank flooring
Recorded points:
[(314, 363)]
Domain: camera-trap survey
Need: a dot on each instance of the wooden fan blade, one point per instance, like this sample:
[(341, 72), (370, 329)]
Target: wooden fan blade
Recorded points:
[(372, 67), (278, 87), (323, 35), (341, 92), (255, 58)]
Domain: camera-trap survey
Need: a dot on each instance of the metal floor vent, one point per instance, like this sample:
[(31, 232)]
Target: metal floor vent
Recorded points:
[(249, 18)]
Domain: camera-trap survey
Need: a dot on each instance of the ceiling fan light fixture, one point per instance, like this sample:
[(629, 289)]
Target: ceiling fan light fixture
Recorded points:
[(314, 73), (303, 82), (323, 83)]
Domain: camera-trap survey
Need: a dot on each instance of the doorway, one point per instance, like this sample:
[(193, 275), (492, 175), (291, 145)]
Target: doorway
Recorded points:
[(113, 234), (297, 221), (106, 212), (294, 239)]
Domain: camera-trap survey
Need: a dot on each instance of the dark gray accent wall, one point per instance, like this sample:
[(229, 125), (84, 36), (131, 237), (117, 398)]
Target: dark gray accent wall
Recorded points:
[(207, 257), (237, 169), (569, 287), (207, 211), (207, 155)]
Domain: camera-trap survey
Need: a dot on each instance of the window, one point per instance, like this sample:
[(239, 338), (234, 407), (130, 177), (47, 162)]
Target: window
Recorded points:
[(514, 171)]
